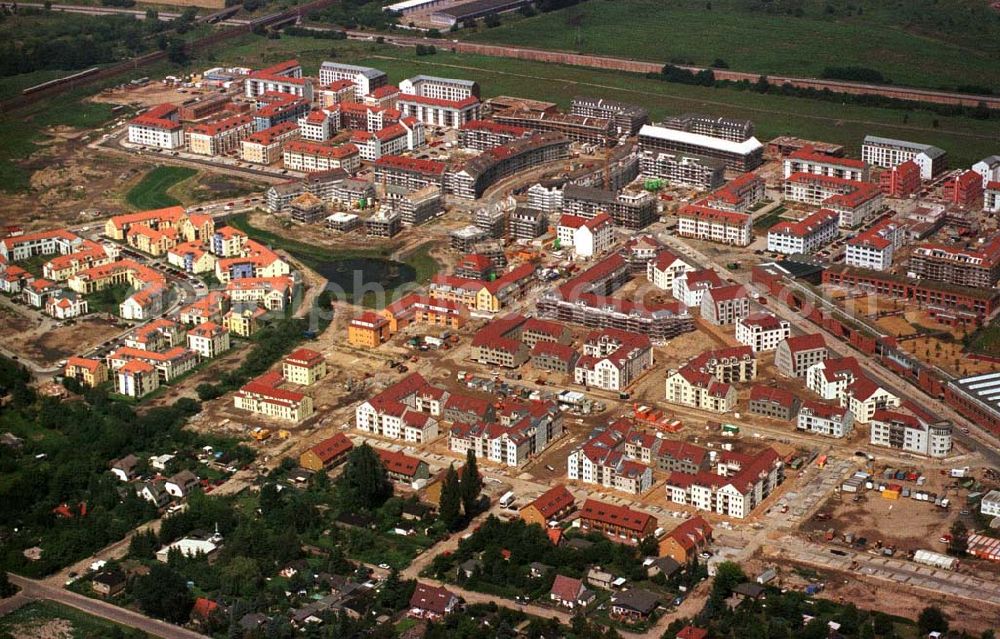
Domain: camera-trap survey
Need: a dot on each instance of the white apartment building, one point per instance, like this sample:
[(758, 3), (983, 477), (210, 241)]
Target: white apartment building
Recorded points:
[(808, 160), (724, 305), (588, 237), (991, 197), (741, 484), (988, 169), (762, 331), (990, 504), (887, 153), (910, 434), (825, 419), (697, 389), (805, 236), (311, 157), (437, 112), (158, 127), (724, 227), (665, 268), (518, 435), (612, 359), (545, 198), (604, 460), (864, 398), (429, 86), (874, 249), (795, 355), (690, 286), (208, 339), (365, 79), (319, 126)]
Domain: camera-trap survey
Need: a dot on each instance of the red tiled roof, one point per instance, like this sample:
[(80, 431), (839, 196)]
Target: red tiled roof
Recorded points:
[(398, 463), (217, 127), (806, 226), (426, 167), (779, 396), (304, 357), (566, 588), (810, 342), (708, 214), (610, 514), (809, 154), (322, 150), (431, 598), (553, 501), (332, 448)]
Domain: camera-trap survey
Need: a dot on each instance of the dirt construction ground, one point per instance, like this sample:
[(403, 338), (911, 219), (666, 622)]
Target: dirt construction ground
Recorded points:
[(47, 342)]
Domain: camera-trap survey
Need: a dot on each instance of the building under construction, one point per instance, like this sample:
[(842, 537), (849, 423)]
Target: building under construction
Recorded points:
[(626, 118), (527, 224), (465, 239), (384, 223), (632, 210), (575, 127), (660, 322), (619, 167), (473, 178), (415, 207), (678, 168), (411, 173)]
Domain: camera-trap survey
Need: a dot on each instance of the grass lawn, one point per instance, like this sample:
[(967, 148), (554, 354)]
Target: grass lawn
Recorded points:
[(43, 618), (107, 300), (152, 191), (967, 140), (767, 221), (904, 43), (986, 340)]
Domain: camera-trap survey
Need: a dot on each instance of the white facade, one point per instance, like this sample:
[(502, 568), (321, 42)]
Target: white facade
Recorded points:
[(428, 86), (664, 270), (888, 153), (990, 504), (365, 79), (910, 434), (988, 169), (829, 421), (156, 135), (762, 332), (588, 238), (713, 225), (991, 198), (805, 236)]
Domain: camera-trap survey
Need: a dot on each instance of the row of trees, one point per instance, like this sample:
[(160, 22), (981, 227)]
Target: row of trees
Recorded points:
[(706, 77), (461, 496)]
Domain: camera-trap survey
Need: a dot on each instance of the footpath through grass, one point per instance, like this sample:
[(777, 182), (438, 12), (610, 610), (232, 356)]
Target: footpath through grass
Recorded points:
[(152, 191)]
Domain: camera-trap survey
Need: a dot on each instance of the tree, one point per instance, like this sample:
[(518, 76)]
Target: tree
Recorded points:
[(451, 499), (176, 52), (472, 484), (931, 619), (7, 589), (649, 547), (364, 483), (143, 545), (882, 624), (164, 593), (959, 539)]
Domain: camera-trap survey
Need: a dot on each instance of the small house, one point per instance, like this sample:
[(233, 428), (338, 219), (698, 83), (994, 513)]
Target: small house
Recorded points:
[(108, 583), (634, 604), (569, 592)]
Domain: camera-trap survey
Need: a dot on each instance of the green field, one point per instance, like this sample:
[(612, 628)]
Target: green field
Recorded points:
[(926, 43), (966, 139), (152, 192), (49, 619)]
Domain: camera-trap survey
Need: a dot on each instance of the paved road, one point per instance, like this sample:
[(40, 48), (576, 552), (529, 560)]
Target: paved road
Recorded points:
[(31, 589)]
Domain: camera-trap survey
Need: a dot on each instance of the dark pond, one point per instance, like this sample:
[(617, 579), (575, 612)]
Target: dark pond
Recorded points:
[(359, 275)]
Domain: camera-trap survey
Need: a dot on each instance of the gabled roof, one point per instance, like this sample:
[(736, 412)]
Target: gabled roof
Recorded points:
[(566, 588), (332, 447), (552, 501), (432, 599), (610, 514)]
